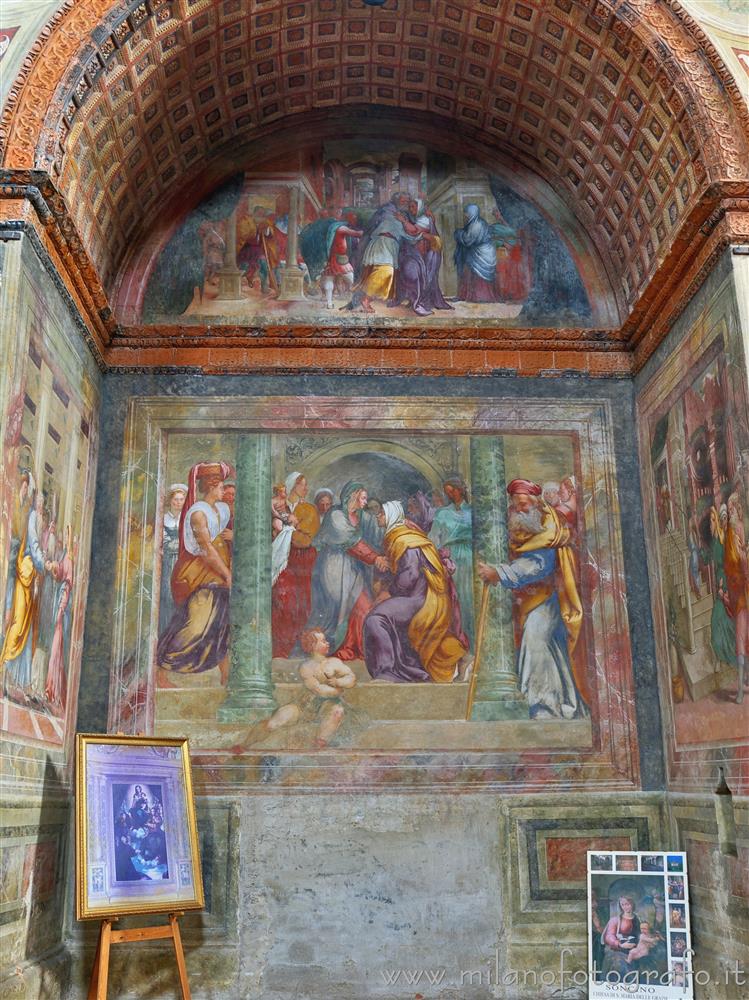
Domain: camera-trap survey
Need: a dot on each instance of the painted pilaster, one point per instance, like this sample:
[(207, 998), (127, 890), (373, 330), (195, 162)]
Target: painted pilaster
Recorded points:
[(292, 276), (250, 688), (230, 277), (497, 693)]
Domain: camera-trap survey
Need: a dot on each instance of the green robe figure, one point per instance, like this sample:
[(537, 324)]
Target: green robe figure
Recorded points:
[(722, 628), (452, 529)]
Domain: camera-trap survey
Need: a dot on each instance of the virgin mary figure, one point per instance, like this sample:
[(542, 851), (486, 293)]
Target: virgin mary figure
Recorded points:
[(348, 547)]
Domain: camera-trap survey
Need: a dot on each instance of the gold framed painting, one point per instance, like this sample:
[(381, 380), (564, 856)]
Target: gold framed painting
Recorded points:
[(136, 834)]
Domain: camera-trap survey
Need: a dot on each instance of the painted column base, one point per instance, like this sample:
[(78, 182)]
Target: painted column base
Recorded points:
[(246, 706), (229, 283), (506, 710), (292, 285)]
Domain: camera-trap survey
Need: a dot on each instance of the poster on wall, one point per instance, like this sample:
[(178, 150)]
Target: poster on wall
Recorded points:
[(639, 938), (136, 835)]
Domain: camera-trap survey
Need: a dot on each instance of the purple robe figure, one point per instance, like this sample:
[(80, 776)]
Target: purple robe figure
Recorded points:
[(388, 652), (417, 277)]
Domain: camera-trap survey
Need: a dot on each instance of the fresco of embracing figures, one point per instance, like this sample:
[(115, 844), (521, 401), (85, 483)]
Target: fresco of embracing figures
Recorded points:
[(352, 231), (372, 577)]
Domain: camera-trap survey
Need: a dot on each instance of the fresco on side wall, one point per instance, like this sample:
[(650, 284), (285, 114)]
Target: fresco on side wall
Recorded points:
[(695, 445), (48, 433), (376, 231), (370, 584), (49, 461)]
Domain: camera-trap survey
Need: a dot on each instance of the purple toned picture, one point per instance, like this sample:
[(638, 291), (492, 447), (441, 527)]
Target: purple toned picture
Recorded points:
[(140, 850), (136, 835)]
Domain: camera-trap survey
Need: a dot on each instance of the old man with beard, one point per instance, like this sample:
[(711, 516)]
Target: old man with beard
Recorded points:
[(542, 575)]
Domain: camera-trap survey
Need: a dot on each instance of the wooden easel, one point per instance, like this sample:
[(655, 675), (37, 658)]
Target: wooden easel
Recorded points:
[(107, 936)]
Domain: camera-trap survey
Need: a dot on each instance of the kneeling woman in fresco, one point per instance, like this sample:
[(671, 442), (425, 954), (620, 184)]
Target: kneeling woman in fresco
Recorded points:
[(409, 636), (197, 637)]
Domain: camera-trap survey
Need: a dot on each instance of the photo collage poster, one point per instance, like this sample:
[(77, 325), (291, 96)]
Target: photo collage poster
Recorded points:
[(638, 924)]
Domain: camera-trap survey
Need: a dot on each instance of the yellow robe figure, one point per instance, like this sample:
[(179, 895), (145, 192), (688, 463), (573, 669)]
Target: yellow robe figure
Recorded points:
[(20, 638), (429, 630)]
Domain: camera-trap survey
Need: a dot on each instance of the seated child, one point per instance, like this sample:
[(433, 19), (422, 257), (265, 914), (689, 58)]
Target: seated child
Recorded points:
[(280, 513), (645, 943), (325, 678)]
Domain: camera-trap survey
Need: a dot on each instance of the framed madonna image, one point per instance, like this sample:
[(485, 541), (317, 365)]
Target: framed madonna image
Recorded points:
[(639, 937), (136, 835)]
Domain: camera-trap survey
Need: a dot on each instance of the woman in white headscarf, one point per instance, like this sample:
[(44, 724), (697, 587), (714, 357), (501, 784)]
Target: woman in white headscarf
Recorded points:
[(409, 636), (290, 601)]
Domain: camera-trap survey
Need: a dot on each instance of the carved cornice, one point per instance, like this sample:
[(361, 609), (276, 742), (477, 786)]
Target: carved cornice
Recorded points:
[(656, 307), (17, 229), (54, 219), (400, 338), (726, 230)]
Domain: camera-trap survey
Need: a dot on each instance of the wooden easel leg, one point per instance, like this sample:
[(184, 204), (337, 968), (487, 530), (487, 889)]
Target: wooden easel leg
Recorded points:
[(103, 972), (94, 982), (181, 967)]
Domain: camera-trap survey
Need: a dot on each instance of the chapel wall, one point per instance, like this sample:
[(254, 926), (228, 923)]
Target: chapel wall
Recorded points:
[(49, 430)]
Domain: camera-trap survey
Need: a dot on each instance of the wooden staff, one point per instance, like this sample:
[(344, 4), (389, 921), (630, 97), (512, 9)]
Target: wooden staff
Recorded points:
[(477, 656), (271, 273)]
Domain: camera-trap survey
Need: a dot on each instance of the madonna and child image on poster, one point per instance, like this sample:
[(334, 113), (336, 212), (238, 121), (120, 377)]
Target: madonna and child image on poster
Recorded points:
[(639, 939), (136, 839)]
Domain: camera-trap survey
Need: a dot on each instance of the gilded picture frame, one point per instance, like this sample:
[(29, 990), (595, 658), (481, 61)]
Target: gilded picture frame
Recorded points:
[(136, 838)]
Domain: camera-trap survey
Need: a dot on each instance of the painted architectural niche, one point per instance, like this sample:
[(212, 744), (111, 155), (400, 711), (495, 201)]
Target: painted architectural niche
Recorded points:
[(377, 232), (298, 497)]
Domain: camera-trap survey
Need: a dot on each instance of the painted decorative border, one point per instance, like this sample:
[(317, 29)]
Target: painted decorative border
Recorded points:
[(613, 761)]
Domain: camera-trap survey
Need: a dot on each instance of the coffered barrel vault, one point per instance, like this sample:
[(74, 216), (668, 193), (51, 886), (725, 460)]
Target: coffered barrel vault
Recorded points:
[(626, 112)]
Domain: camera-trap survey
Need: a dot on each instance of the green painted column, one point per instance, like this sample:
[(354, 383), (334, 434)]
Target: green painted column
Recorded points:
[(497, 693), (250, 688)]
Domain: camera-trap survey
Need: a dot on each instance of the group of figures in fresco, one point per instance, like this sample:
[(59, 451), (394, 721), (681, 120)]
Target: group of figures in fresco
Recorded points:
[(38, 600), (368, 228), (699, 457), (393, 255), (388, 584)]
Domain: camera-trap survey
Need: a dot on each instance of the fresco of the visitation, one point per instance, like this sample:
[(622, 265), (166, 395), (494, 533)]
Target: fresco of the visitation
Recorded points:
[(375, 230), (380, 551)]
